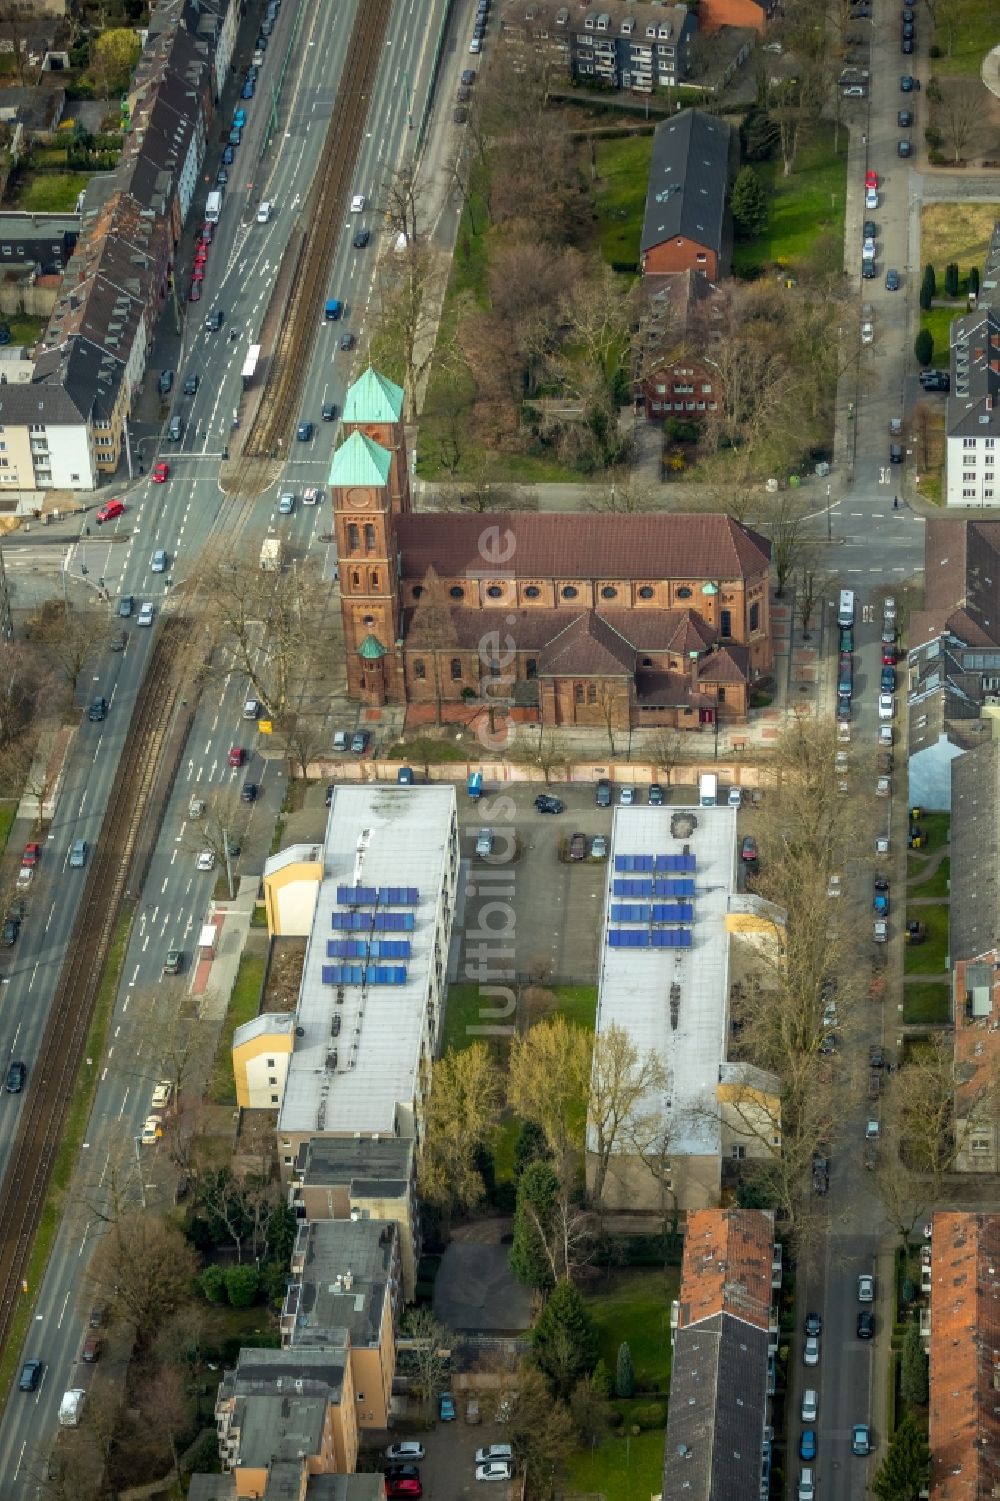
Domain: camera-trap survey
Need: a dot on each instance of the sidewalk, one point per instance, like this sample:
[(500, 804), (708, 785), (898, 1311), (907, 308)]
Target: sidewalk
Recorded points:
[(213, 979)]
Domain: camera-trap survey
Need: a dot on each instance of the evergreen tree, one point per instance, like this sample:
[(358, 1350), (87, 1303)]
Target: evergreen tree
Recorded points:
[(923, 347), (928, 287), (761, 136), (913, 1373), (564, 1339), (624, 1375), (951, 279), (904, 1470), (601, 1379), (213, 1283), (748, 204), (530, 1146), (537, 1193), (242, 1285), (974, 280)]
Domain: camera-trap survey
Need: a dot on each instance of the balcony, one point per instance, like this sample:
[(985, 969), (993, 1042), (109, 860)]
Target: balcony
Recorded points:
[(776, 1259)]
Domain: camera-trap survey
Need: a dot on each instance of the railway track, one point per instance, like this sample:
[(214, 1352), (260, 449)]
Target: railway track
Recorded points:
[(323, 213), (178, 651)]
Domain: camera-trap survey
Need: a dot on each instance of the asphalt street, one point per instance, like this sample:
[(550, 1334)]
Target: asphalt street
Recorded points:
[(179, 516)]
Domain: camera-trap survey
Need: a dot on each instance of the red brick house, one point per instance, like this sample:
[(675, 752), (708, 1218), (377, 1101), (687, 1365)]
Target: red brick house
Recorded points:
[(629, 620), (685, 226), (676, 374)]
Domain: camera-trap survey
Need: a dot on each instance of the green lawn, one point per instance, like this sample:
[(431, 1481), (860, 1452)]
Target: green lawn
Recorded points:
[(964, 45), (935, 885), (939, 321), (8, 812), (620, 199), (937, 829), (806, 223), (927, 1002), (468, 1009), (635, 1307), (51, 192), (242, 1008), (928, 958), (622, 1469)]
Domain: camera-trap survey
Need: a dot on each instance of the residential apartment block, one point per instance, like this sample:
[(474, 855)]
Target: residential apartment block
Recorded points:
[(346, 1275), (678, 940), (973, 413), (343, 1178), (677, 374), (725, 1340), (639, 48), (68, 427), (369, 1012), (964, 1420), (953, 664)]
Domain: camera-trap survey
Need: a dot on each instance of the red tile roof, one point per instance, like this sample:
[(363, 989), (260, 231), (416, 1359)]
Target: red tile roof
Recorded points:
[(587, 645), (606, 545), (965, 1355), (647, 630), (727, 1266), (961, 582)]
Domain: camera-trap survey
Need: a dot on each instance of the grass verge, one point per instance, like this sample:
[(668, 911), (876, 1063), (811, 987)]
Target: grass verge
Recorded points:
[(927, 1002), (938, 321), (8, 813), (242, 1008), (74, 1128), (928, 958), (936, 831), (937, 884), (805, 229)]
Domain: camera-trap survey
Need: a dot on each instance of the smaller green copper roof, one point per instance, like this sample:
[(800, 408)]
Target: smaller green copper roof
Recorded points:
[(372, 398), (360, 461), (371, 650)]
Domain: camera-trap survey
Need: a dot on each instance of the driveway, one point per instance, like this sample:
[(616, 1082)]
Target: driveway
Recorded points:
[(474, 1292)]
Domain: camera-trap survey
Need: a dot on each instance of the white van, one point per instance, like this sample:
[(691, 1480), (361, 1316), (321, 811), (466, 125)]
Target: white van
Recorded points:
[(71, 1407), (845, 612), (708, 790), (264, 212)]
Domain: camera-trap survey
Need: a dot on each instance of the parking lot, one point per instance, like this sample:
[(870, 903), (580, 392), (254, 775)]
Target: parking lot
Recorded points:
[(448, 1469)]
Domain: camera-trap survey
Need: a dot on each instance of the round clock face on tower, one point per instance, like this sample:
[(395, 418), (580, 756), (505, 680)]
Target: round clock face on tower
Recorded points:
[(359, 500)]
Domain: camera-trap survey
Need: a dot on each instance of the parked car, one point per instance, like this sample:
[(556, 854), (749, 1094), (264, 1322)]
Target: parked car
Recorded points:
[(656, 798), (807, 1485), (484, 843), (807, 1444), (602, 793), (599, 847), (359, 742), (814, 1323), (866, 1324), (578, 847), (407, 1450), (810, 1405), (446, 1407), (810, 1350), (861, 1440), (546, 803)]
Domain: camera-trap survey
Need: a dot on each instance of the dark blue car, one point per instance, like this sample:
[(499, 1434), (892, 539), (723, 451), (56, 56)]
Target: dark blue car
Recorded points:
[(228, 156), (888, 679), (807, 1444), (247, 90)]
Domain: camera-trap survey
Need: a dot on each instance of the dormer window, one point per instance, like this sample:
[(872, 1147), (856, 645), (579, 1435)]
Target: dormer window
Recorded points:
[(588, 21), (627, 27)]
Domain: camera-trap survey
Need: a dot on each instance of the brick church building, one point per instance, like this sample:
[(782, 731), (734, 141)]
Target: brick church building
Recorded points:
[(584, 619)]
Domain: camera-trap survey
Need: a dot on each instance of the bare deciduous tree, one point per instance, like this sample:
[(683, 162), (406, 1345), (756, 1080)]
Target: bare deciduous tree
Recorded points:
[(618, 1110)]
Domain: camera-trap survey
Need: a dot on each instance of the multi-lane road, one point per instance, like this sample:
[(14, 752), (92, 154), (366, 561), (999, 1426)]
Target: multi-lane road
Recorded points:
[(182, 516)]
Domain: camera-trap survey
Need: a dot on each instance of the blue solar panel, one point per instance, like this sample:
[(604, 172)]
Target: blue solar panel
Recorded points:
[(395, 922), (682, 886), (398, 896), (634, 862), (390, 948), (676, 863), (673, 912), (630, 912), (342, 974), (638, 887), (356, 896), (346, 948), (351, 922), (628, 938), (671, 938)]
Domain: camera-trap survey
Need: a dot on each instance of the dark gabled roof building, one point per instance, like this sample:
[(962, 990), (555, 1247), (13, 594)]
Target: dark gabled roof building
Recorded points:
[(685, 227), (725, 1337)]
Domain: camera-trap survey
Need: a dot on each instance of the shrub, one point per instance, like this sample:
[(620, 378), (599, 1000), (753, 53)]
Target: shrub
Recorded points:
[(242, 1285), (624, 1375), (213, 1284), (923, 346), (650, 1415), (974, 280), (951, 279)]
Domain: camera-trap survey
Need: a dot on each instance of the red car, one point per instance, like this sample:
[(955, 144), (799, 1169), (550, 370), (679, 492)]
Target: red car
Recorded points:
[(194, 295), (201, 255), (109, 510), (207, 231), (401, 1490), (237, 755), (160, 474), (198, 274), (871, 179), (32, 854), (889, 656)]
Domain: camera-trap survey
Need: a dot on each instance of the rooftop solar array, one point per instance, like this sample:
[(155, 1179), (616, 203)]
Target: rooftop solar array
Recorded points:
[(383, 896), (650, 916), (364, 974), (368, 948), (364, 922)]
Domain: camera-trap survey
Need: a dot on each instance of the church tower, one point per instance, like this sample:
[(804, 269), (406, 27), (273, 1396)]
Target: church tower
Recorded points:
[(369, 485)]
